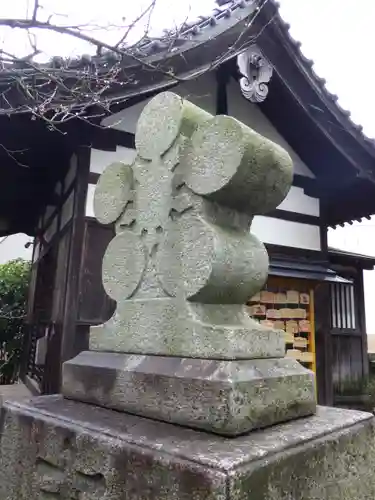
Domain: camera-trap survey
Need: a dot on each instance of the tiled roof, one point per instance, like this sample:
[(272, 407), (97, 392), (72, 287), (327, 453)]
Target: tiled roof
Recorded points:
[(308, 65), (136, 64), (354, 255), (224, 13), (203, 27)]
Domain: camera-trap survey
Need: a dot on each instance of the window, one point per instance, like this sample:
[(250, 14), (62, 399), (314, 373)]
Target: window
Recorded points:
[(343, 310)]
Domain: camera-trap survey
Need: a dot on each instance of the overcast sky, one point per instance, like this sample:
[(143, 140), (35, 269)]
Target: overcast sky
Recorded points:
[(339, 35)]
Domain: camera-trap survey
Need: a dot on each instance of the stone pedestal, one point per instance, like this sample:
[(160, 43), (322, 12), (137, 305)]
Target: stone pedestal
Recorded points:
[(57, 449), (224, 397)]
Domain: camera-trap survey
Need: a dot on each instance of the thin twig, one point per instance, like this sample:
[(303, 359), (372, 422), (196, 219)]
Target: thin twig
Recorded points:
[(148, 10), (35, 10)]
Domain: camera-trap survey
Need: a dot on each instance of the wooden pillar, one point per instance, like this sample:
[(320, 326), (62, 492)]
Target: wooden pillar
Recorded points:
[(323, 341), (74, 262), (360, 297)]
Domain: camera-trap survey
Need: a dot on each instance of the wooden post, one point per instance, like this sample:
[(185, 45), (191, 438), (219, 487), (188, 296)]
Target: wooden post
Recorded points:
[(75, 252)]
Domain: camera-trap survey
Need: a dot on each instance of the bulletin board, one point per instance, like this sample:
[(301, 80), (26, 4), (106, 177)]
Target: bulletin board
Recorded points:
[(288, 305)]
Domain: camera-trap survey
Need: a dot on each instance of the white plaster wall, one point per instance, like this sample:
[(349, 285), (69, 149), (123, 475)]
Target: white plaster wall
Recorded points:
[(251, 115), (298, 202), (90, 200), (201, 92), (286, 233), (99, 160), (13, 247)]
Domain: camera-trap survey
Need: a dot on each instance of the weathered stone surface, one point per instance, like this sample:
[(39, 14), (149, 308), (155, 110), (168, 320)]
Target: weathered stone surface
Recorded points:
[(123, 266), (235, 166), (181, 265), (169, 328), (164, 118), (207, 263), (225, 397), (113, 192), (56, 449)]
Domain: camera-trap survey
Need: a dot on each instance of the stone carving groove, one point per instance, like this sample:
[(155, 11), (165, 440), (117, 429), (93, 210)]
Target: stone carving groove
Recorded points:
[(256, 73), (181, 267)]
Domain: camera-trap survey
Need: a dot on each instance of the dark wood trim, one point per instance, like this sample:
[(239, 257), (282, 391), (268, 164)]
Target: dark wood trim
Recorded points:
[(323, 343), (315, 256), (359, 296), (324, 239), (311, 220), (304, 182), (57, 236), (91, 220), (93, 177), (222, 78), (323, 231), (107, 139), (74, 261), (58, 208), (348, 332), (31, 291)]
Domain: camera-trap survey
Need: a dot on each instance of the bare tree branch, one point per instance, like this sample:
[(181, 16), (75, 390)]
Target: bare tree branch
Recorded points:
[(148, 11), (65, 89), (35, 10)]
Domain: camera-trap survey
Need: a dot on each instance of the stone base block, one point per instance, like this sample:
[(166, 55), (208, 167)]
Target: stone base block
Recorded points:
[(225, 397), (169, 327), (53, 448)]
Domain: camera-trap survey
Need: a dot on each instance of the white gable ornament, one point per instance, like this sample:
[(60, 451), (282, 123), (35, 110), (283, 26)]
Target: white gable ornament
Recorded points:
[(256, 73)]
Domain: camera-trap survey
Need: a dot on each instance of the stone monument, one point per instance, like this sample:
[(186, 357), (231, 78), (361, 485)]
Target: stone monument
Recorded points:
[(183, 395)]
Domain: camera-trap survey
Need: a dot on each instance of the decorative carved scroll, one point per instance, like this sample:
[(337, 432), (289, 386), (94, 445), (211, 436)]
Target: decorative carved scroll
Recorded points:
[(256, 73)]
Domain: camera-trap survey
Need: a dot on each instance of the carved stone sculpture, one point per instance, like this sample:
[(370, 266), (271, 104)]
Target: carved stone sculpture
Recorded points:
[(182, 348), (181, 267)]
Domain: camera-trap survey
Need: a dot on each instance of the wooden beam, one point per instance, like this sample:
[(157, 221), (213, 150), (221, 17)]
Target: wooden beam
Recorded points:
[(107, 139), (278, 251), (294, 217)]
